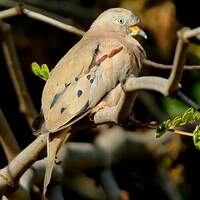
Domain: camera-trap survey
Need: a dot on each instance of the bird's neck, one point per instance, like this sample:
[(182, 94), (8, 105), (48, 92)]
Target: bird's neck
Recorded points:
[(123, 38), (131, 43), (103, 33)]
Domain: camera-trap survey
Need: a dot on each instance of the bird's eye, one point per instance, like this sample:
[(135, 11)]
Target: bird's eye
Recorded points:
[(121, 21)]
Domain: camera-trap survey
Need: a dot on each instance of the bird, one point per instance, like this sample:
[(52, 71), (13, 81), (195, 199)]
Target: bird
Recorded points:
[(106, 55)]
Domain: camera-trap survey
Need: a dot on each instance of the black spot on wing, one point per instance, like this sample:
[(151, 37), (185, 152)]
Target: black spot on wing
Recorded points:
[(79, 93), (91, 80), (88, 77), (55, 98), (62, 110), (76, 78)]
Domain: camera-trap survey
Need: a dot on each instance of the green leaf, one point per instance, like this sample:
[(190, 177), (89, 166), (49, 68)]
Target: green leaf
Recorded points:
[(163, 128), (43, 71), (196, 137), (177, 121), (188, 115), (196, 116), (168, 123), (35, 68)]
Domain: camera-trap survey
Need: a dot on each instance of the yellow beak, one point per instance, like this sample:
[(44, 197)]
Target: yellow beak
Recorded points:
[(136, 30)]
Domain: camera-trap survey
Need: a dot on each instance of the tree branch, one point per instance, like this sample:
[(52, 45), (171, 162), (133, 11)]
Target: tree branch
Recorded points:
[(26, 105), (81, 155), (10, 175), (166, 86), (192, 33), (157, 84), (11, 12), (163, 66), (179, 61), (7, 139), (52, 21), (20, 9)]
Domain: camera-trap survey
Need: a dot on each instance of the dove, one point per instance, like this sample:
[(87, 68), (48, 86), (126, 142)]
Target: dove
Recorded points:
[(87, 78)]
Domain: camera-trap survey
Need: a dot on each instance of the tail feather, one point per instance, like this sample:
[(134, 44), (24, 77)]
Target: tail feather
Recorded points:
[(54, 143)]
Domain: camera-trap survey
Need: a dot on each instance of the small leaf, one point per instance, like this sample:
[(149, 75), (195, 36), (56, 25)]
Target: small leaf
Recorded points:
[(187, 116), (35, 68), (45, 71), (168, 123), (176, 121), (42, 72), (196, 137), (163, 128), (160, 131), (196, 116)]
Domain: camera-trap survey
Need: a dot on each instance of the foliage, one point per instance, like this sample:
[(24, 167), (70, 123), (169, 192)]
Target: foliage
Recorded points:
[(196, 137), (190, 115), (40, 71)]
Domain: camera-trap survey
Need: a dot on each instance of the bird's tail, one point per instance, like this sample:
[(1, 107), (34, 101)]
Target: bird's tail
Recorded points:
[(54, 142)]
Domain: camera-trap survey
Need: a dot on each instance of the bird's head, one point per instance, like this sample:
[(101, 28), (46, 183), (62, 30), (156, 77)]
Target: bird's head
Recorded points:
[(118, 20)]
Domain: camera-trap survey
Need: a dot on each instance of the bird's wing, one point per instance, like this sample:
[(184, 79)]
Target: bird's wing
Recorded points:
[(81, 79), (75, 63)]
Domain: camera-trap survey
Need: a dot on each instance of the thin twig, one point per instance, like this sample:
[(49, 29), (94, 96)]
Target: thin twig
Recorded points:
[(188, 101), (182, 132), (7, 139), (163, 66), (178, 63), (52, 22), (20, 9), (62, 8), (180, 57), (26, 105)]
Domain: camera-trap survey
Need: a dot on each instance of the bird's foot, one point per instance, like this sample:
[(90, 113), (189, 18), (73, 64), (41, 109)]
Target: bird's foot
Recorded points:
[(100, 106)]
